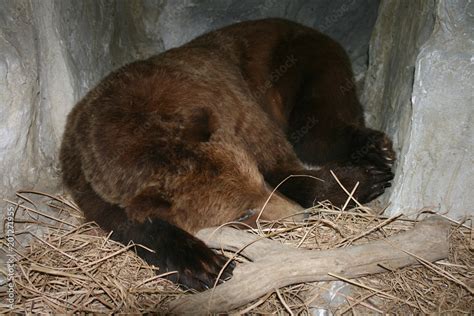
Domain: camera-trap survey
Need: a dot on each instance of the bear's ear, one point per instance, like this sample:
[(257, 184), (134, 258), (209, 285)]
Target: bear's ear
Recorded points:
[(200, 124)]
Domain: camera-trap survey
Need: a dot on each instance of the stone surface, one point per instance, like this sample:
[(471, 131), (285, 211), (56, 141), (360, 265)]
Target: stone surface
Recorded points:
[(350, 22), (419, 89)]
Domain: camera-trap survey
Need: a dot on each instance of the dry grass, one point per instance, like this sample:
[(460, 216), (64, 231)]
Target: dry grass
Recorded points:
[(71, 267)]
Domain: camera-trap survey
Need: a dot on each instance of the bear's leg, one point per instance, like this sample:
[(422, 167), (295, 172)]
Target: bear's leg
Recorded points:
[(322, 142), (325, 120), (326, 123), (340, 142), (309, 186), (353, 153), (197, 266), (327, 132)]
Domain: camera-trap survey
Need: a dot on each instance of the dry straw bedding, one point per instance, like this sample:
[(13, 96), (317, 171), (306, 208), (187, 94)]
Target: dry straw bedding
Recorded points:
[(71, 267)]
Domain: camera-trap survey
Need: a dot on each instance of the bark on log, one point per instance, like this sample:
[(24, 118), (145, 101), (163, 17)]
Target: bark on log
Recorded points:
[(276, 265)]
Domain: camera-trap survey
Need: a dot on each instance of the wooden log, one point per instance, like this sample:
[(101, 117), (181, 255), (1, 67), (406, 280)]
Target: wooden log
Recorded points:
[(276, 265)]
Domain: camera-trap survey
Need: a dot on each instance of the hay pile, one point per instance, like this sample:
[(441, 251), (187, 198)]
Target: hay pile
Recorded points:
[(77, 268)]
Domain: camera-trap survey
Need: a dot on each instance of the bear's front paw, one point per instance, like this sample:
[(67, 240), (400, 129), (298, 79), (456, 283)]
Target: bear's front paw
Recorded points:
[(373, 180), (373, 147), (197, 266)]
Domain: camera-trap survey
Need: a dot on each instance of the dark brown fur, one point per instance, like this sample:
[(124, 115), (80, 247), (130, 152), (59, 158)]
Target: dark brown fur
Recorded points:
[(199, 135)]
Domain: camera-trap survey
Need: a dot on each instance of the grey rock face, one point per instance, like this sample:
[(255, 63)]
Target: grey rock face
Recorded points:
[(349, 22), (26, 120), (419, 89), (438, 165), (52, 53)]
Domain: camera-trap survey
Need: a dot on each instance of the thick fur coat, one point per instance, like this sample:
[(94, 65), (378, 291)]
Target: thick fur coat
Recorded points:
[(201, 134)]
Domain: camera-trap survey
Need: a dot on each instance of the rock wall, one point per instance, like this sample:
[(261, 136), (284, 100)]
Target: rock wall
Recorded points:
[(52, 53), (419, 89), (418, 85)]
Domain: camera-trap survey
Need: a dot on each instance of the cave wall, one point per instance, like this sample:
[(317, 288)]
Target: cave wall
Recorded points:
[(416, 87), (419, 89)]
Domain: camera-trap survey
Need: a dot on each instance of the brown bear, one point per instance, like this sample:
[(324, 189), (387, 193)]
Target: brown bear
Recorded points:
[(201, 134)]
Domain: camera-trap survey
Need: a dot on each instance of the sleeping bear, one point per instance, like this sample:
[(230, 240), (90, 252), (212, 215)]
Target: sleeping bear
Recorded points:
[(200, 135)]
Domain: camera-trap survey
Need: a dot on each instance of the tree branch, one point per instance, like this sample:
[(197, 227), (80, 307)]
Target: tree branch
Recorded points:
[(276, 265)]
